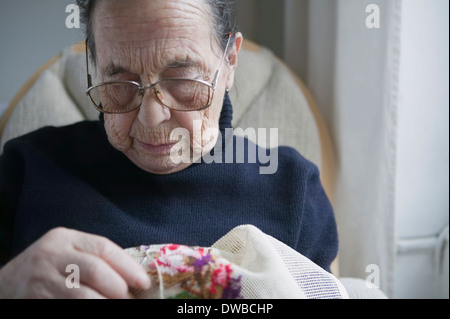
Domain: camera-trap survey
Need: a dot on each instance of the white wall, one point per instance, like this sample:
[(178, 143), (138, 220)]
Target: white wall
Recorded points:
[(31, 33), (422, 180), (423, 119), (384, 94)]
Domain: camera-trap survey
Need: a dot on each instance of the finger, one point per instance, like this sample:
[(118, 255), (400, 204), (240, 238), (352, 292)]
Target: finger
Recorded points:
[(128, 268), (85, 292), (80, 292), (97, 274), (55, 286)]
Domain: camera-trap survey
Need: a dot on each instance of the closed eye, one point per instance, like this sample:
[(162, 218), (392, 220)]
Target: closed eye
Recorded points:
[(117, 73), (184, 72)]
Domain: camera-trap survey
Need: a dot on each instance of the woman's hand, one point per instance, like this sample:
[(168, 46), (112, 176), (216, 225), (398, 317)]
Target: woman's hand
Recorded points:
[(105, 270)]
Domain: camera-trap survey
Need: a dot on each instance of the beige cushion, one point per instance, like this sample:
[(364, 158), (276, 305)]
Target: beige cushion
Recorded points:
[(266, 96)]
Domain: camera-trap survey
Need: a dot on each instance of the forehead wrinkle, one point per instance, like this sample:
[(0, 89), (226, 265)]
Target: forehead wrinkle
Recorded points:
[(171, 59), (145, 31), (151, 61), (146, 46), (163, 37), (153, 16)]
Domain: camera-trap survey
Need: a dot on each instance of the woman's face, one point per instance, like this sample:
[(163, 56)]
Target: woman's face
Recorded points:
[(145, 41)]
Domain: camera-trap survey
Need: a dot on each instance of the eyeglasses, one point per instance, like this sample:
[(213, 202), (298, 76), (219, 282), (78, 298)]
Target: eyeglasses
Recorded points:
[(179, 94)]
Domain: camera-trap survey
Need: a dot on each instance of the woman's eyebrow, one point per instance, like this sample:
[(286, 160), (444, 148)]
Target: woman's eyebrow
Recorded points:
[(191, 65), (113, 69), (181, 64)]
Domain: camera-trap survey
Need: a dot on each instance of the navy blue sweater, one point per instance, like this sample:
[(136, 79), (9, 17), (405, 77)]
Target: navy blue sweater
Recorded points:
[(71, 176)]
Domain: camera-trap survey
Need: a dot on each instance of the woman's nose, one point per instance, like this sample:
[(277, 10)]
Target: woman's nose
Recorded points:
[(152, 113)]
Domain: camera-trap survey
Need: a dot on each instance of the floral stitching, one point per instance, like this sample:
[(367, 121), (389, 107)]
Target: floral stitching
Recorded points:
[(196, 272)]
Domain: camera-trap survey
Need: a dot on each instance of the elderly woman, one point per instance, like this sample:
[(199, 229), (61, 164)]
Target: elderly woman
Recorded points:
[(80, 194)]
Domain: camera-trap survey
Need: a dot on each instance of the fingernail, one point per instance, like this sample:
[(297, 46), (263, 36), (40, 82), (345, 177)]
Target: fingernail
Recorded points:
[(144, 281)]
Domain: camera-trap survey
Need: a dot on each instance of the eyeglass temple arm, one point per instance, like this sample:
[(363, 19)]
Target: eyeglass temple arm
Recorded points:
[(89, 78), (216, 76)]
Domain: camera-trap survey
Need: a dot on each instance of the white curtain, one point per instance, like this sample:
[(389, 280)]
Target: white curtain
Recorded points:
[(384, 95)]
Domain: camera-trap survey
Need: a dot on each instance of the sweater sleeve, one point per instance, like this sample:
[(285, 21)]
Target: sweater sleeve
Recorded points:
[(11, 177), (318, 231)]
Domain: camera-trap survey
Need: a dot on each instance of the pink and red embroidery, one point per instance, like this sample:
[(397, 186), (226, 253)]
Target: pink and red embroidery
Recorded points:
[(193, 272)]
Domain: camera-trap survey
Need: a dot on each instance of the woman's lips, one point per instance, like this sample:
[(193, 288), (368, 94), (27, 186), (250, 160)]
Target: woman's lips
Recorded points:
[(157, 149)]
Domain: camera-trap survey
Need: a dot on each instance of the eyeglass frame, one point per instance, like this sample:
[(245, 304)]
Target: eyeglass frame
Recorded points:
[(142, 88)]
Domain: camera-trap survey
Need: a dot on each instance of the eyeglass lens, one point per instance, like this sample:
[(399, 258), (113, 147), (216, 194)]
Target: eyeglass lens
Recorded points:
[(176, 94)]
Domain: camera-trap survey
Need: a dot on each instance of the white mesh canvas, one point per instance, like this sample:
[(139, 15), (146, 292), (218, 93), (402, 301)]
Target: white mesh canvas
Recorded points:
[(245, 263)]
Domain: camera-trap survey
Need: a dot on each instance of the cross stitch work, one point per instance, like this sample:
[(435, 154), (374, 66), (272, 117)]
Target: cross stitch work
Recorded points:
[(190, 273), (244, 264)]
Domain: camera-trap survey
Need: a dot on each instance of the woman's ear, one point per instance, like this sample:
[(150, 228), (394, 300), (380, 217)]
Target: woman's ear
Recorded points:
[(232, 58)]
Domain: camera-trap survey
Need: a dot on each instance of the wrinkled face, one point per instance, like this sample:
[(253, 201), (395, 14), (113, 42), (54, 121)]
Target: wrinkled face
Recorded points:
[(145, 41)]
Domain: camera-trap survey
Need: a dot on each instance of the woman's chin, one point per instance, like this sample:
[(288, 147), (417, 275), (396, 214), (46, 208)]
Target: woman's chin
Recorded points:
[(161, 165)]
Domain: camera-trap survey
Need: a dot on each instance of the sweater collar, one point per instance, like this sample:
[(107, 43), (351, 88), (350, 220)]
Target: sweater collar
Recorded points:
[(226, 115)]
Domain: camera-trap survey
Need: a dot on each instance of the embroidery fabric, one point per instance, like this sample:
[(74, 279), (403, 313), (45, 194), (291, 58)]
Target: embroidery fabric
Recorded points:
[(243, 264)]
